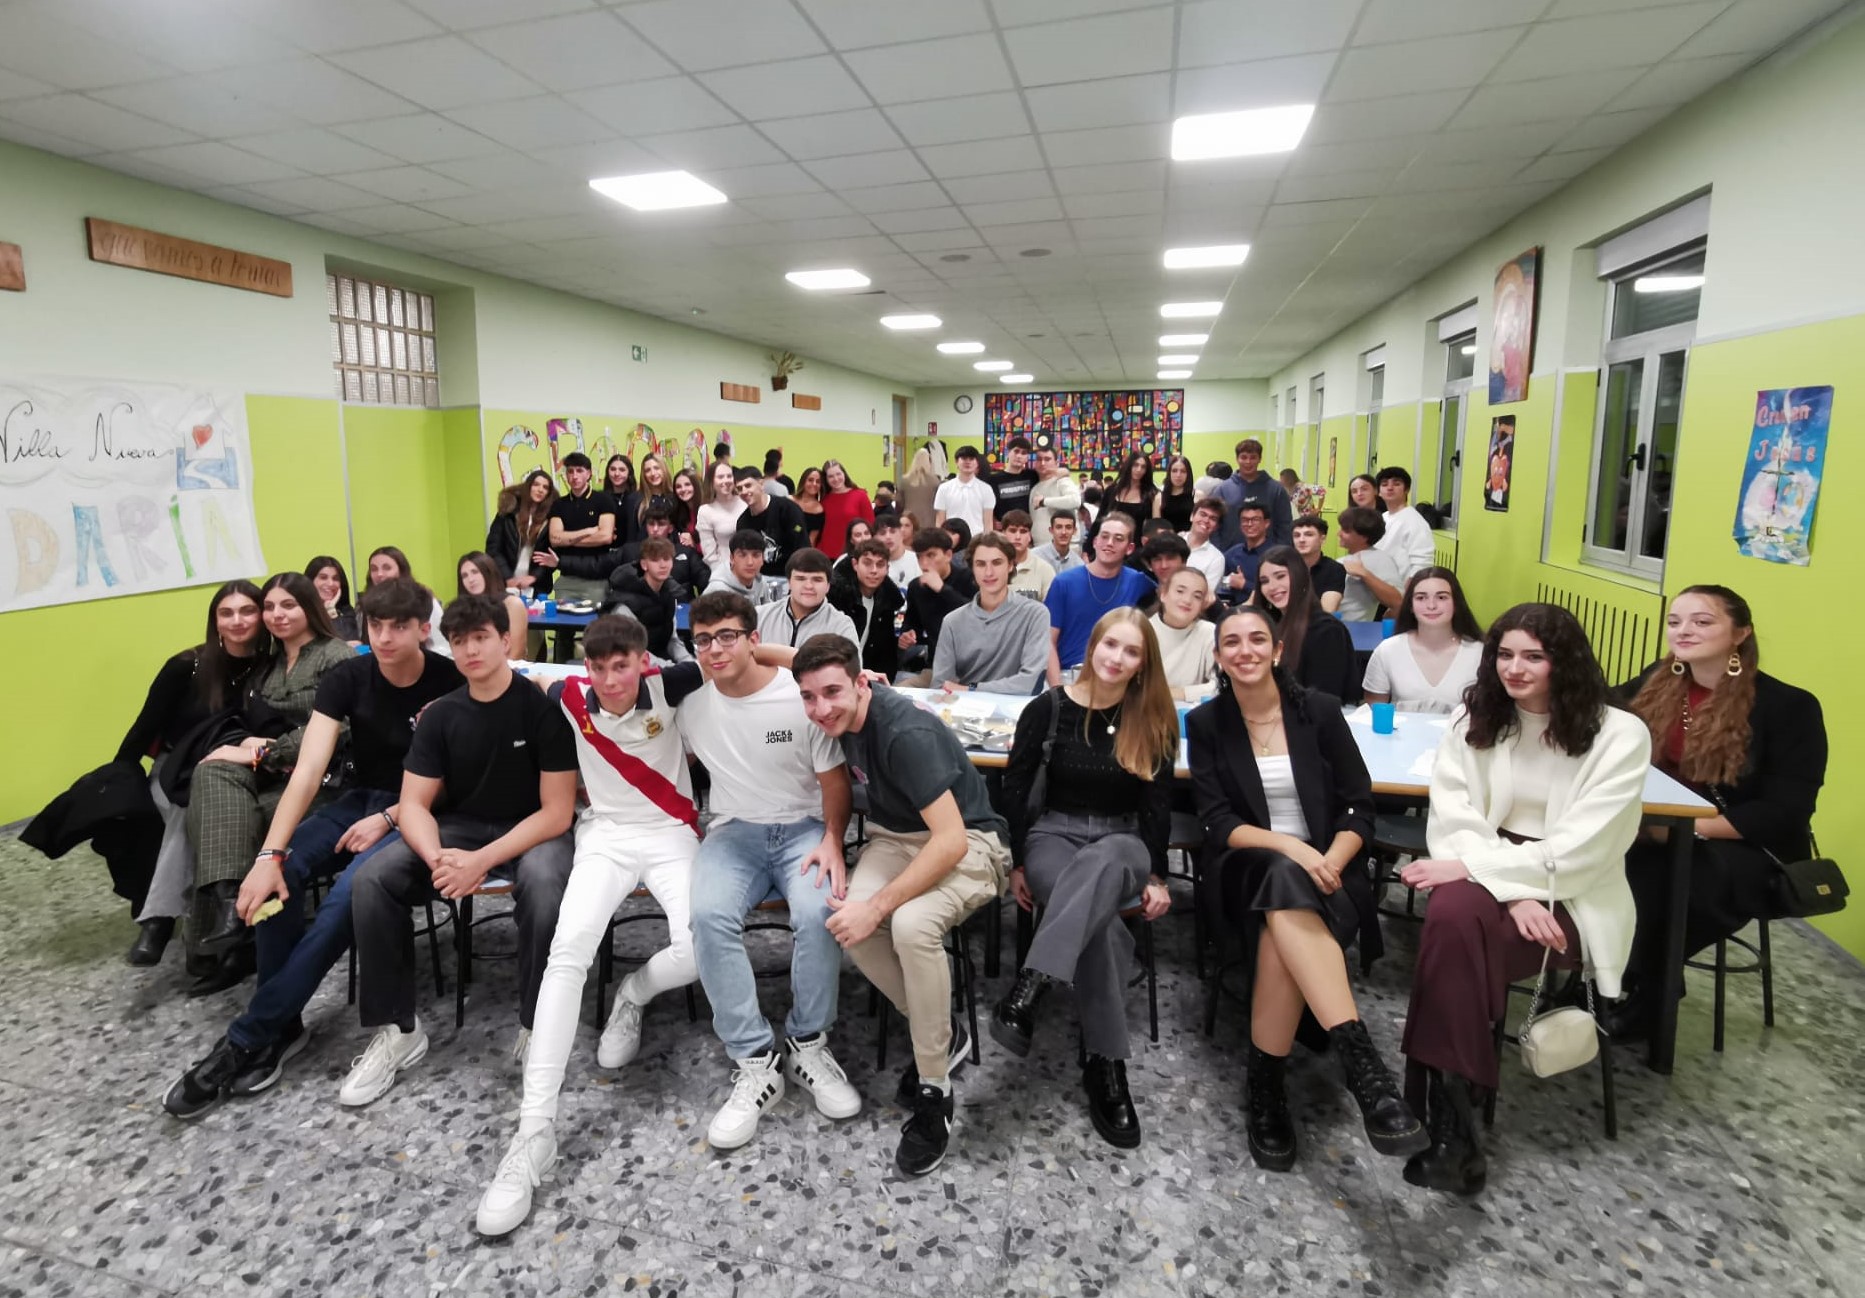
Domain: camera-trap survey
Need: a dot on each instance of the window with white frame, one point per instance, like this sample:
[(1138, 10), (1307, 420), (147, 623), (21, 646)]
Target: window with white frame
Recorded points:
[(1376, 396), (1447, 473), (1317, 404), (1654, 277), (382, 343)]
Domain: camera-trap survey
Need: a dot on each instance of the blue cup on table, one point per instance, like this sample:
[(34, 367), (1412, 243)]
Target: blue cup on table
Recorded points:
[(1385, 718), (1184, 711), (550, 606)]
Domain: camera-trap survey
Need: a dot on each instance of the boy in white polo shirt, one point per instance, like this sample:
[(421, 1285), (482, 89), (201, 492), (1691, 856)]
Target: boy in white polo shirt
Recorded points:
[(967, 496)]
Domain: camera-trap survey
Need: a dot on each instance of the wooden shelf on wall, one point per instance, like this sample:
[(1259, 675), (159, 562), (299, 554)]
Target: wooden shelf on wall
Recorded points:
[(800, 402), (741, 392)]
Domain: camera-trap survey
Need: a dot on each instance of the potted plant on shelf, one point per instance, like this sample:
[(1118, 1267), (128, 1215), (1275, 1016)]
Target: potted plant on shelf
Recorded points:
[(785, 364)]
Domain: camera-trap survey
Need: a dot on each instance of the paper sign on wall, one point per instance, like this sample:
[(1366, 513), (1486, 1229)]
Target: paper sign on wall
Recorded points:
[(111, 488), (1781, 476)]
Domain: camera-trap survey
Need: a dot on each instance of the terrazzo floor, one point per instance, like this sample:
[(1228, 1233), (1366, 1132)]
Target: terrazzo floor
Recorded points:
[(1743, 1173)]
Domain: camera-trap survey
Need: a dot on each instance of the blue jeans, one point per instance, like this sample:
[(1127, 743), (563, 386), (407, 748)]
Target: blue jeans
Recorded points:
[(739, 865), (293, 959)]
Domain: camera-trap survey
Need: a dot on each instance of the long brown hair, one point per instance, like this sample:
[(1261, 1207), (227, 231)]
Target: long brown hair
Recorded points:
[(1294, 619), (532, 518), (1148, 739), (1716, 748), (488, 572), (215, 668), (299, 587)]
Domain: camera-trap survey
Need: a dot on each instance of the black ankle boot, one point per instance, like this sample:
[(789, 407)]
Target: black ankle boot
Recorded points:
[(1110, 1104), (227, 970), (1272, 1131), (225, 928), (151, 942), (1390, 1123), (1455, 1160), (1013, 1022)]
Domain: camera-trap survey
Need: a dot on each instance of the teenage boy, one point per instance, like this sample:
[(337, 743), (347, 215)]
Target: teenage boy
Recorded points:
[(940, 588), (645, 591), (775, 481), (998, 642), (1029, 576), (777, 518), (743, 571), (1055, 493), (489, 785), (582, 532), (1250, 484), (1207, 519), (641, 826), (1080, 596), (690, 573), (1164, 554), (379, 696), (1326, 575), (1372, 574), (780, 805), (1012, 484), (871, 601), (902, 564), (1408, 536), (1061, 553), (806, 610), (1243, 559), (936, 852), (967, 497)]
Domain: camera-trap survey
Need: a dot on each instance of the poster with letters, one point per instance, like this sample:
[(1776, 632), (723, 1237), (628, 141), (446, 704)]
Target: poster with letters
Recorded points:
[(118, 488), (1781, 475)]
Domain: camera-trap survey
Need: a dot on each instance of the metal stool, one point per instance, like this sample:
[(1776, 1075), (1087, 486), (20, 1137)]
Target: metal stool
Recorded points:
[(606, 959), (1762, 963), (1395, 836), (1605, 1064)]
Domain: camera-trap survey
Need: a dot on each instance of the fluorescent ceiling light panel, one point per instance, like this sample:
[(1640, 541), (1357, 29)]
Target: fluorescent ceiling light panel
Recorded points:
[(657, 191), (823, 279), (1666, 283), (1175, 374), (1190, 310), (961, 349), (1217, 254), (1015, 378), (1238, 135), (1187, 358), (911, 321), (991, 367), (1184, 340)]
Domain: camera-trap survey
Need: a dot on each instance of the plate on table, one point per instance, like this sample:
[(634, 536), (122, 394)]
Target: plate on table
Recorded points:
[(577, 607)]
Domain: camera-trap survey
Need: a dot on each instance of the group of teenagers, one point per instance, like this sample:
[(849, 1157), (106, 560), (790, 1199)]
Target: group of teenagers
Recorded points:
[(427, 766)]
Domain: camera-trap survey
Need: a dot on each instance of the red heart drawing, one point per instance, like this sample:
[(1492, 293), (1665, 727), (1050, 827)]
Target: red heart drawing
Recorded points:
[(201, 433)]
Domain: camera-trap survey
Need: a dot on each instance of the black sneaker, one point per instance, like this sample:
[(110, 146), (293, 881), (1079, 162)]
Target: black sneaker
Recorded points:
[(205, 1085), (957, 1055), (268, 1063), (923, 1140)]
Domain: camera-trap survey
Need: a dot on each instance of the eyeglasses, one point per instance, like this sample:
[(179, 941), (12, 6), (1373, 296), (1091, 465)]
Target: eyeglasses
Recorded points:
[(724, 639)]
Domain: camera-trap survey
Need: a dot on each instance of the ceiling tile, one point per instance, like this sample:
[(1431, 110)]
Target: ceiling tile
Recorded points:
[(243, 197), (404, 184), (464, 15), (651, 107), (1619, 40), (1109, 144), (312, 90), (867, 169), (852, 24), (1561, 166), (68, 56), (829, 135), (1112, 101), (1535, 101), (440, 73), (1268, 83), (419, 137), (1354, 155), (894, 198), (1341, 184), (793, 88), (15, 86), (575, 51), (1677, 81), (1016, 212), (983, 157), (196, 106), (949, 121), (326, 26), (795, 207), (507, 169), (315, 194), (920, 221), (1133, 203), (612, 157), (536, 123), (190, 35), (514, 205), (772, 178), (1000, 188), (939, 69), (1372, 119), (1019, 13), (86, 121), (1609, 130), (1754, 27), (703, 34), (1101, 178), (720, 146), (220, 163), (1139, 41), (1448, 62), (317, 151), (1238, 31), (395, 218)]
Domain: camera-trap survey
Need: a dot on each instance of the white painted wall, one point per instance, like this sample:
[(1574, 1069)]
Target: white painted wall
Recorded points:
[(1226, 406)]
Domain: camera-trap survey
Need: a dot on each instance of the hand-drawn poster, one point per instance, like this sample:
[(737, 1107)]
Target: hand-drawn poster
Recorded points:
[(1512, 338), (1500, 467), (116, 488), (1091, 431), (1781, 479)]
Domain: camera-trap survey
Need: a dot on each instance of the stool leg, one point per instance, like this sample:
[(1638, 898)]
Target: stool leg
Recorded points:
[(880, 1035), (1152, 978), (1722, 971), (994, 937), (433, 950), (1607, 1096), (692, 1005), (1489, 1100), (463, 952), (352, 973), (1767, 977)]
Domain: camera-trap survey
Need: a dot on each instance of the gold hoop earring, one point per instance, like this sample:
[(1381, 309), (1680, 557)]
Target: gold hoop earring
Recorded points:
[(1735, 664), (1677, 668)]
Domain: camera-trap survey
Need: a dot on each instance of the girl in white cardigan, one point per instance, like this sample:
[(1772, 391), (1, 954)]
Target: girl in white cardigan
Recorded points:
[(1537, 788)]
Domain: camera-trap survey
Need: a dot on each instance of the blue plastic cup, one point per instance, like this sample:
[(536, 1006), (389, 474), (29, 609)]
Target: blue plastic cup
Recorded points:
[(1385, 718), (550, 606)]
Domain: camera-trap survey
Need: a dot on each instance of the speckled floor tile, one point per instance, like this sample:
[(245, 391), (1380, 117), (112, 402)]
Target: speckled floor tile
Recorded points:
[(28, 1274)]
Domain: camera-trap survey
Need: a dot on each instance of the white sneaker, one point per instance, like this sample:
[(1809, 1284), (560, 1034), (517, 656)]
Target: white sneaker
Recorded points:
[(507, 1201), (758, 1086), (621, 1039), (373, 1072), (814, 1070)]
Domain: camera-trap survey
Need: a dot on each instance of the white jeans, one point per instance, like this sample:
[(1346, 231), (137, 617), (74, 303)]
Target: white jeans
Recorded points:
[(611, 859)]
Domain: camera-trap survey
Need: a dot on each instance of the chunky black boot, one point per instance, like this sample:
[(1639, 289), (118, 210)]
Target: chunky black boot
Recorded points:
[(1272, 1131), (224, 927), (1013, 1022), (229, 970), (1455, 1160), (1110, 1104), (1390, 1123), (151, 942)]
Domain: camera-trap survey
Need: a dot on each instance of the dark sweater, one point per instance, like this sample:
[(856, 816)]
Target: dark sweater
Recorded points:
[(175, 705), (690, 573), (1084, 777), (654, 609), (926, 609), (881, 652)]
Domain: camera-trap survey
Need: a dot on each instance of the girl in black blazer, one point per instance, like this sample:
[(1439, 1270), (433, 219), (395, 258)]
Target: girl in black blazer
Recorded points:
[(1287, 808), (1753, 745)]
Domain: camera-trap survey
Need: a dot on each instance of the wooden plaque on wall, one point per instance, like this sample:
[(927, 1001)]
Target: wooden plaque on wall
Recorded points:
[(741, 392), (165, 254), (800, 402), (12, 268)]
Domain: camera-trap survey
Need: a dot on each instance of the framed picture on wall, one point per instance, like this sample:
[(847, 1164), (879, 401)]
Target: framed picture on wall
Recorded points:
[(1333, 455), (1500, 467), (1512, 339)]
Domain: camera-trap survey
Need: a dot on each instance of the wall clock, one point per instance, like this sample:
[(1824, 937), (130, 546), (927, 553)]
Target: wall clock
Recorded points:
[(962, 404)]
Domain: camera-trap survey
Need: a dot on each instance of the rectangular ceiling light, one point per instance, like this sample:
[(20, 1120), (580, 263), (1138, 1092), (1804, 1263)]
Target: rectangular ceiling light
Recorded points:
[(1175, 374), (1217, 254), (1185, 358), (657, 191), (911, 321), (1190, 310), (1237, 135), (1015, 378), (822, 279), (1666, 283), (1184, 340), (961, 349), (991, 367)]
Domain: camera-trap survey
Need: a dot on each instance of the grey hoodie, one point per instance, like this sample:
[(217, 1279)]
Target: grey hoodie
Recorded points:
[(1003, 652)]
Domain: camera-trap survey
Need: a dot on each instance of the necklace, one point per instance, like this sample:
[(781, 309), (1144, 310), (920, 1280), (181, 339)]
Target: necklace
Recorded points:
[(1111, 595), (1274, 719)]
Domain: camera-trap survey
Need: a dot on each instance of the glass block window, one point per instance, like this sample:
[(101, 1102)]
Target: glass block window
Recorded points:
[(382, 343)]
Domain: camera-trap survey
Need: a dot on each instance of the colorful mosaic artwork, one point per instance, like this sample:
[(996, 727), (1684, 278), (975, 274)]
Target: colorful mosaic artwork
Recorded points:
[(1089, 430)]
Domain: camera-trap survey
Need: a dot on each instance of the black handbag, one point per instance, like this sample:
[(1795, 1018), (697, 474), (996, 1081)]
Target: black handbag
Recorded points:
[(1802, 889), (1039, 786)]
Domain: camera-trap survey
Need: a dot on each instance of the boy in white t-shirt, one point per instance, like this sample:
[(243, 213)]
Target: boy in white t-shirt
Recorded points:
[(967, 496)]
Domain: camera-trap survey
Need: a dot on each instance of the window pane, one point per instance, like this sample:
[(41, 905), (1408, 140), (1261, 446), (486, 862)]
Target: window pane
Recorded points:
[(363, 311), (352, 385), (1372, 440), (401, 389), (1612, 497), (427, 357), (1446, 494), (367, 355), (427, 313), (330, 294), (1379, 384), (337, 375), (369, 385), (1460, 361), (350, 356), (336, 342), (1661, 458), (1658, 297), (395, 315), (401, 349), (382, 348), (382, 303), (433, 392), (346, 296)]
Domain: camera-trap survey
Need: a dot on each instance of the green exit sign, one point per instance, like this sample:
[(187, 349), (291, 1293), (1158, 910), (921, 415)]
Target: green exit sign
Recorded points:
[(638, 352)]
